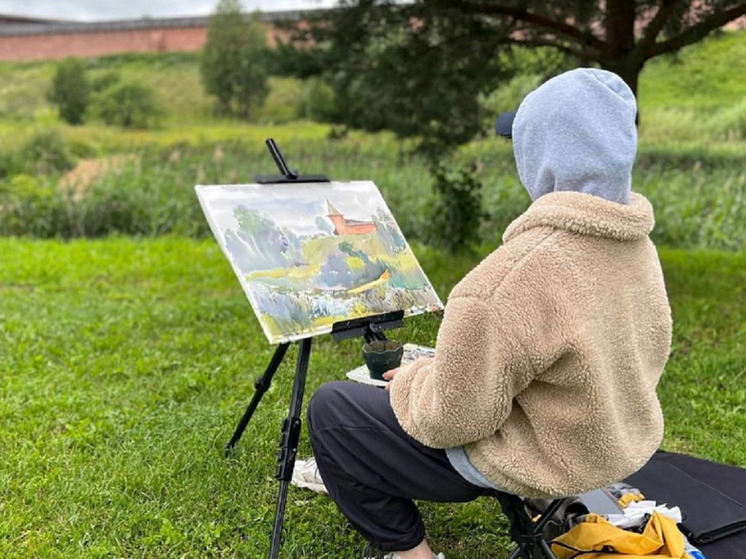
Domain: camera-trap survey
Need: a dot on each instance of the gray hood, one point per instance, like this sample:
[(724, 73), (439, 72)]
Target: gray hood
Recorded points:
[(577, 133)]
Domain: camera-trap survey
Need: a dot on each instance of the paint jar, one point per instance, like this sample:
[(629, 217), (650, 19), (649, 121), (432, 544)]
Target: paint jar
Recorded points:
[(381, 356)]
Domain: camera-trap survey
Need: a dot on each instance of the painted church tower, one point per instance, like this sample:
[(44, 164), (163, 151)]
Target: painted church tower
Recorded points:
[(343, 226)]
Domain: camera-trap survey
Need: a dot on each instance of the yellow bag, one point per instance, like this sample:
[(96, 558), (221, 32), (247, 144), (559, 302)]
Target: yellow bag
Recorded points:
[(661, 539)]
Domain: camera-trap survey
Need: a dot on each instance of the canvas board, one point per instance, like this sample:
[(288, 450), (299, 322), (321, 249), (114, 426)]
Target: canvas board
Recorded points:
[(311, 254)]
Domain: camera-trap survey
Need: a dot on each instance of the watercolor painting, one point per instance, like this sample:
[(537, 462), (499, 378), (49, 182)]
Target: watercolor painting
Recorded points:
[(312, 254)]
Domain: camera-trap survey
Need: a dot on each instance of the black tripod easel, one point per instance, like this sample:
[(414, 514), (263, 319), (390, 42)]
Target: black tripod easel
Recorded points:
[(370, 328)]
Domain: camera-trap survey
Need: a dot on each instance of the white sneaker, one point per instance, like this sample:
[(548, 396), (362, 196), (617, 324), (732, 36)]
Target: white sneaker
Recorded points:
[(306, 475)]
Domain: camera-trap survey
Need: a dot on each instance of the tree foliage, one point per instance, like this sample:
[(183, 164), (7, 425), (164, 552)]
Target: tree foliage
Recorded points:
[(70, 90), (127, 104), (418, 66), (234, 60), (458, 212)]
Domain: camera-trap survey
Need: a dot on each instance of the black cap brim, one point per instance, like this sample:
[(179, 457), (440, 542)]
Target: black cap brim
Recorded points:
[(504, 124)]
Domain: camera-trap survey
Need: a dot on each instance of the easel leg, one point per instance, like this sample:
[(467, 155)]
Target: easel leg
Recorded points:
[(546, 550), (261, 385), (289, 443)]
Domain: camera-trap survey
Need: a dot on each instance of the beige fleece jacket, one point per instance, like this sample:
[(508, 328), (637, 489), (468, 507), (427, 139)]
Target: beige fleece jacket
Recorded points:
[(550, 350)]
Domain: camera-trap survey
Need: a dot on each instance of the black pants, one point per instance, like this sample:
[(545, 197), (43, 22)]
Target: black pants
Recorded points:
[(373, 469)]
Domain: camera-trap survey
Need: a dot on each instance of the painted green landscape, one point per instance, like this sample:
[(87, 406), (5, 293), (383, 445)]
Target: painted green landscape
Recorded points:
[(339, 281), (305, 265)]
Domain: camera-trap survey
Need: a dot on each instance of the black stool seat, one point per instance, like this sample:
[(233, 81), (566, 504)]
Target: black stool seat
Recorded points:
[(526, 533)]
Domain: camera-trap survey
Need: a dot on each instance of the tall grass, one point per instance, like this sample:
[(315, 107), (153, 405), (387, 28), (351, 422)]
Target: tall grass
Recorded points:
[(700, 198)]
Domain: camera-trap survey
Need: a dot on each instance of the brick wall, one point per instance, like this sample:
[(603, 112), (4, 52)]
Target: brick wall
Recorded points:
[(39, 40), (90, 44)]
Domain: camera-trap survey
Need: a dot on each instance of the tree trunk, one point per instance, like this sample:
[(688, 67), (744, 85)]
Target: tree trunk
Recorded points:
[(620, 38), (620, 28), (620, 57)]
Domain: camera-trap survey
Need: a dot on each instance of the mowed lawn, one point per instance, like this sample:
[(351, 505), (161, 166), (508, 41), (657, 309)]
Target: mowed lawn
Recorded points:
[(125, 365)]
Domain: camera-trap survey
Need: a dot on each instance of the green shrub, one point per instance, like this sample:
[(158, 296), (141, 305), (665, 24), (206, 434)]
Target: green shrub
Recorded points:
[(104, 81), (32, 205), (457, 215), (282, 105), (292, 98), (129, 105), (10, 164), (318, 101), (146, 196), (698, 194), (70, 90), (80, 148), (46, 152)]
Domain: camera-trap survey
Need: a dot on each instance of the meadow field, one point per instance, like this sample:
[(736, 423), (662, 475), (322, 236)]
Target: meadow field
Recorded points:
[(128, 351)]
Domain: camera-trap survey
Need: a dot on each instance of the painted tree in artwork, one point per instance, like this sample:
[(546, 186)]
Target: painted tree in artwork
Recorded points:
[(262, 243), (389, 233), (324, 226)]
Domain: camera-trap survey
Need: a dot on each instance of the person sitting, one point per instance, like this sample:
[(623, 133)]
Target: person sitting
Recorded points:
[(546, 363)]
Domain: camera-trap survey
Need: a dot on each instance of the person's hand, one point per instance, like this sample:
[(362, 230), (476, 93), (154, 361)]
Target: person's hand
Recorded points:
[(389, 376)]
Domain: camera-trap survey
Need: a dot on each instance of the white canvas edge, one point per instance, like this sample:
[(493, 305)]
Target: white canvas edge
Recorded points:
[(217, 234)]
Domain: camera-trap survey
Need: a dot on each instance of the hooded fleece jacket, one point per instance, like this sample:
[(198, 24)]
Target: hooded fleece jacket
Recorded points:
[(550, 350)]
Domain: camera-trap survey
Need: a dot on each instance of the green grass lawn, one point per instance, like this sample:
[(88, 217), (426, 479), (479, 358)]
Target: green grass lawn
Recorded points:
[(125, 365)]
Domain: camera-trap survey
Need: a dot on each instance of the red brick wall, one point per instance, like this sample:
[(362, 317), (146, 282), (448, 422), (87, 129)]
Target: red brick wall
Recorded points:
[(41, 47), (97, 43)]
